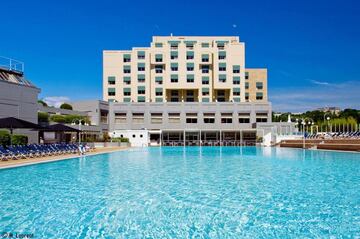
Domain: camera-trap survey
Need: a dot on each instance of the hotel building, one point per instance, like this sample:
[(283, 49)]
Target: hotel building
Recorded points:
[(183, 69), (186, 90)]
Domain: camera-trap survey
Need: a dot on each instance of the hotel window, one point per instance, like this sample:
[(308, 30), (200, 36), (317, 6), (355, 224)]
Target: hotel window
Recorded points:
[(247, 96), (174, 66), (236, 80), (244, 118), (222, 66), (205, 100), (159, 80), (220, 95), (226, 118), (127, 91), (141, 90), (209, 118), (190, 66), (174, 45), (174, 118), (141, 99), (246, 75), (127, 80), (205, 58), (236, 69), (222, 78), (158, 99), (205, 45), (205, 91), (191, 118), (158, 45), (205, 69), (141, 55), (120, 118), (190, 44), (174, 79), (141, 66), (259, 85), (156, 118), (174, 96), (246, 85), (221, 45), (111, 80), (259, 96), (141, 78), (236, 91), (158, 57), (111, 91), (205, 80), (127, 99), (236, 99), (189, 96), (261, 117), (138, 118), (189, 55), (127, 69), (190, 78), (174, 55), (158, 91), (158, 69), (222, 55), (126, 58)]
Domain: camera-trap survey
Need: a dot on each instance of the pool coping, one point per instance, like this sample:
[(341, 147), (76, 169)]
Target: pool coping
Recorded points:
[(24, 163)]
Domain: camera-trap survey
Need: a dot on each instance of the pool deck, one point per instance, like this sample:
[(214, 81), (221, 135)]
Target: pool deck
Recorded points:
[(30, 161)]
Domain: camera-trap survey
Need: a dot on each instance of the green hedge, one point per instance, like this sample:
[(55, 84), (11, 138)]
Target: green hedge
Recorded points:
[(4, 137), (68, 119), (122, 140), (15, 139), (18, 139), (43, 117)]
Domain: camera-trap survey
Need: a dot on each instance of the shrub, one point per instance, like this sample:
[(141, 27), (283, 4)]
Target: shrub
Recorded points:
[(122, 140), (106, 137), (18, 139), (57, 118), (4, 137), (66, 106), (43, 117)]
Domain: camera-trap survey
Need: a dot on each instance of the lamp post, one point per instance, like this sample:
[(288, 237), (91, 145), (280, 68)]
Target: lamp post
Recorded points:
[(79, 122), (327, 118), (309, 122), (303, 123)]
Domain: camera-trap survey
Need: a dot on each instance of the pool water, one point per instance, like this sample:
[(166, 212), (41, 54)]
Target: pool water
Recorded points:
[(191, 192)]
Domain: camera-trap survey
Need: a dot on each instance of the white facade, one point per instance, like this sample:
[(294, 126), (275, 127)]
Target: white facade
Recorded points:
[(137, 138)]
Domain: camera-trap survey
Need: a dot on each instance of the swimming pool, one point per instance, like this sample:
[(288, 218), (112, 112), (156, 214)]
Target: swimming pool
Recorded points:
[(177, 192)]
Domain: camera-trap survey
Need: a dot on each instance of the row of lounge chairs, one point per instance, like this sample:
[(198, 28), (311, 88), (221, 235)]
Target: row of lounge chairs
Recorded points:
[(335, 135), (35, 150)]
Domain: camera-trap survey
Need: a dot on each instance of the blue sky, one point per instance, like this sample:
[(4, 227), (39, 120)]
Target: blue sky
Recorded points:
[(311, 48)]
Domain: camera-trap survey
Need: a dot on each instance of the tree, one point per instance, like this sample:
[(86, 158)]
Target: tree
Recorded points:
[(346, 113), (66, 106), (43, 103)]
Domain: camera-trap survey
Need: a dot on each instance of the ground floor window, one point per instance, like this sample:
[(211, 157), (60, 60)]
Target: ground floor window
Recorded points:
[(120, 118)]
